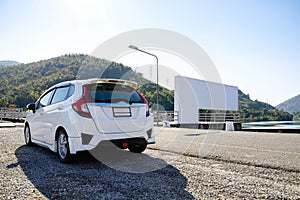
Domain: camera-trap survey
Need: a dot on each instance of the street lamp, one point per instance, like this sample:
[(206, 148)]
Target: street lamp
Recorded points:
[(136, 48)]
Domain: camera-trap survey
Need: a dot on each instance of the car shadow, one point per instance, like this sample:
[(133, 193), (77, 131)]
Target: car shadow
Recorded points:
[(119, 175)]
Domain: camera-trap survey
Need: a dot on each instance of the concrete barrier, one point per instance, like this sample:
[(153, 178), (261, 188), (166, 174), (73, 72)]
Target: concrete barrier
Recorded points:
[(229, 126)]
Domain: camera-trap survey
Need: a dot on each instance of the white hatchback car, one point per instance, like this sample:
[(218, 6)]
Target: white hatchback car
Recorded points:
[(77, 115)]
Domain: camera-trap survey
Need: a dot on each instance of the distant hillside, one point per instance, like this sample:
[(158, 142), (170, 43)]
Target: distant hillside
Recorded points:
[(24, 83), (4, 63), (291, 105), (255, 111)]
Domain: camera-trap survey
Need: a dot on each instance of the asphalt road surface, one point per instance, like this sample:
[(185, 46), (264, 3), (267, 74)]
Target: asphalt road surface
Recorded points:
[(184, 164), (273, 150)]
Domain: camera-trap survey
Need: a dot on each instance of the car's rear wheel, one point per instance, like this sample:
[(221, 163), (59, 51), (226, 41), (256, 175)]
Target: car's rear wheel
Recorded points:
[(63, 150), (138, 147), (27, 136)]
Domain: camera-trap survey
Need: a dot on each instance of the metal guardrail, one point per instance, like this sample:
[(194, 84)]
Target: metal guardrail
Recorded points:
[(165, 116), (12, 113), (219, 117), (18, 113), (203, 117)]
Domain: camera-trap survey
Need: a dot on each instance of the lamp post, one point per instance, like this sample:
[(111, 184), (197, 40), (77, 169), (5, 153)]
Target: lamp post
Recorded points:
[(136, 48)]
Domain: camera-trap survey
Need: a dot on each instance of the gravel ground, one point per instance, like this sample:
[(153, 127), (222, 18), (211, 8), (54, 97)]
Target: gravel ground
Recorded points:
[(36, 173)]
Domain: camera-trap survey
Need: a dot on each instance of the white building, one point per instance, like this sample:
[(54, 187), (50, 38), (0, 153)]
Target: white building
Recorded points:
[(193, 94)]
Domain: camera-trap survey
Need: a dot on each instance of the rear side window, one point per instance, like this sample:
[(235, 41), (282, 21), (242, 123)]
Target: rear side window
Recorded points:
[(60, 94), (71, 90), (113, 93), (45, 100)]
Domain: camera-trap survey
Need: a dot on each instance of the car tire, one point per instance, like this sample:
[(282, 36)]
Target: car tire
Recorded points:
[(138, 147), (63, 148), (27, 136)]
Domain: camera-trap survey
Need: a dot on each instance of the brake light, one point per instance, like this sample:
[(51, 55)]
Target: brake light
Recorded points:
[(80, 105), (145, 102)]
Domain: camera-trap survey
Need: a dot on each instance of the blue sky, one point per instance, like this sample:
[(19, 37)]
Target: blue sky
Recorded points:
[(255, 44)]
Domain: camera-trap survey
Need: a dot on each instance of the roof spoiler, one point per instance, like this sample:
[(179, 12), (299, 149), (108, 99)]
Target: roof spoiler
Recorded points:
[(115, 81)]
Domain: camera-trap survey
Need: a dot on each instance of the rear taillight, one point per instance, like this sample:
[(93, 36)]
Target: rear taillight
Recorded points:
[(145, 102), (80, 105)]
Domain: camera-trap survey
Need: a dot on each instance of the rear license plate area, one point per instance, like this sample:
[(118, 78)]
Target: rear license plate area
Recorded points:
[(121, 111)]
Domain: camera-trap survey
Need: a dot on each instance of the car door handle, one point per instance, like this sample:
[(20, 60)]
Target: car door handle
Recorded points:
[(60, 107)]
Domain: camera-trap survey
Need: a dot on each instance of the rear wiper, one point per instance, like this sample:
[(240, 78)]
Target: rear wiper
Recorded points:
[(131, 102), (103, 101)]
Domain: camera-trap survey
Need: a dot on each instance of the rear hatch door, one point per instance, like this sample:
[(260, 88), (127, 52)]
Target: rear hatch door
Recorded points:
[(116, 108)]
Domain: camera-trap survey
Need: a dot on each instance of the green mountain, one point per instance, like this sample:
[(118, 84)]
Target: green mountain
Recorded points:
[(256, 111), (24, 83)]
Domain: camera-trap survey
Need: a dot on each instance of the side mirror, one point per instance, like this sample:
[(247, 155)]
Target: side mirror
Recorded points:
[(31, 106)]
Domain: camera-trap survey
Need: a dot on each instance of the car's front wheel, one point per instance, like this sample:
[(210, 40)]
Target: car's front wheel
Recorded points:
[(63, 150), (27, 136)]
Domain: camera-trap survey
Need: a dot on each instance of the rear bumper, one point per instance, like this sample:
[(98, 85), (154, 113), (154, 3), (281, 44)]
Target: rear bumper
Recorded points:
[(89, 141), (86, 136)]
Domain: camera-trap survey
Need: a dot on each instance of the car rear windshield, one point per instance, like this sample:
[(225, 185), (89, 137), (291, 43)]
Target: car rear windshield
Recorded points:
[(113, 93)]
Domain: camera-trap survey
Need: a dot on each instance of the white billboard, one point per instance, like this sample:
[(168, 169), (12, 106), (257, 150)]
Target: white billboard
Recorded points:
[(193, 94)]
